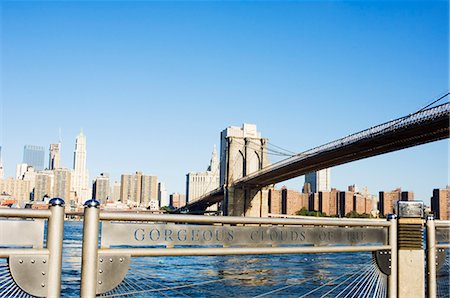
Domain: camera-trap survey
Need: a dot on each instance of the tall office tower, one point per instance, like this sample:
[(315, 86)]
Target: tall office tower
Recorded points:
[(62, 184), (200, 183), (21, 168), (34, 156), (163, 198), (101, 190), (2, 172), (319, 181), (80, 174), (54, 161), (440, 203), (43, 185), (139, 189)]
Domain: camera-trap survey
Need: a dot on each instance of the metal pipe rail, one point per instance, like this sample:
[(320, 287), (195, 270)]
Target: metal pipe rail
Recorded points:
[(126, 216), (55, 235), (91, 251), (432, 246), (219, 251)]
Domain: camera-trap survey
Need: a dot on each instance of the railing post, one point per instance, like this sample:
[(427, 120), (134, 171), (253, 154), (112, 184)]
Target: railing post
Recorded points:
[(411, 254), (431, 256), (55, 236), (90, 249), (392, 281)]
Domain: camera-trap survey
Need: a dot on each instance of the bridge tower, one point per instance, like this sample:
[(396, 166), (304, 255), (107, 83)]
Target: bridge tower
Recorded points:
[(242, 152)]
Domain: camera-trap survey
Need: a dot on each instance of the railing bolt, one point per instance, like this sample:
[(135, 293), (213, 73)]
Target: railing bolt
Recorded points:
[(100, 271), (42, 285), (43, 273), (20, 261), (99, 282), (111, 260), (32, 261)]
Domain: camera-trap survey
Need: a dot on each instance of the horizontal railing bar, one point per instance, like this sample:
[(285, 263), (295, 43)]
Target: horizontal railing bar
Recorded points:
[(442, 245), (24, 213), (126, 216), (272, 215), (219, 251), (442, 223), (6, 252)]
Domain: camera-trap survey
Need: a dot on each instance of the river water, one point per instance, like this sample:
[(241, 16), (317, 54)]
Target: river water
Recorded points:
[(232, 276)]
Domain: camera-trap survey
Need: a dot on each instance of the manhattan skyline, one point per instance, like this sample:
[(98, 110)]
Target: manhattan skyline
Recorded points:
[(153, 91)]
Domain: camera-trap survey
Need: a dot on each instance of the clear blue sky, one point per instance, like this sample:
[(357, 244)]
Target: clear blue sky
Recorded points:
[(152, 84)]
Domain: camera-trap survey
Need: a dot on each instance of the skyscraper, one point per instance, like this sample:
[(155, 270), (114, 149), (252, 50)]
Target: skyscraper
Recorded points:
[(34, 156), (54, 161), (80, 174), (200, 183), (319, 181)]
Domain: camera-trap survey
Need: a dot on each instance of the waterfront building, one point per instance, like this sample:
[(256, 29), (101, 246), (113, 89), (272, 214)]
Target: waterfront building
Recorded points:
[(34, 156), (388, 199), (345, 203), (21, 168), (115, 194), (29, 175), (286, 201), (54, 161), (177, 200), (328, 202), (440, 203), (62, 183), (318, 181), (18, 190), (407, 196), (138, 189), (163, 197), (101, 189), (80, 184), (200, 183), (43, 185), (149, 192)]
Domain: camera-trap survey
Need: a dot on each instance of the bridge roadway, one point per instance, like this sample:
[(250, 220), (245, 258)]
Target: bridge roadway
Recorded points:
[(415, 129)]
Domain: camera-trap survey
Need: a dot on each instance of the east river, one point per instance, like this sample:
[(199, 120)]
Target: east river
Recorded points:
[(315, 275)]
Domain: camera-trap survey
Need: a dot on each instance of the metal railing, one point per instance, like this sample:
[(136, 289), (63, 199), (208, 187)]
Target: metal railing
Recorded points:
[(125, 236), (438, 244), (32, 268)]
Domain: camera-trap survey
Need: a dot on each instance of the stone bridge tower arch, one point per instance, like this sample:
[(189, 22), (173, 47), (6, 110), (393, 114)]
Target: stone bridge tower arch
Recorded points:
[(242, 152)]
